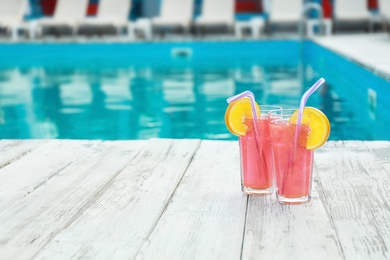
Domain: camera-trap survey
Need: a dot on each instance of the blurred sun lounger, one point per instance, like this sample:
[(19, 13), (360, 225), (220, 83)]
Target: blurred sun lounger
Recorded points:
[(285, 13), (174, 14), (68, 13), (11, 15), (111, 13), (216, 13), (384, 12), (352, 13)]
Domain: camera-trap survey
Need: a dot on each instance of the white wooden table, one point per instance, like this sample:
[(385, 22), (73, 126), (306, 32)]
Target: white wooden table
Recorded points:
[(181, 199)]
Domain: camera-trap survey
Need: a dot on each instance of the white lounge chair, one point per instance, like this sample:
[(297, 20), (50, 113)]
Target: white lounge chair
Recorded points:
[(216, 13), (175, 13), (111, 13), (11, 15), (351, 12), (68, 13), (255, 25), (282, 11), (295, 12), (285, 12), (384, 12)]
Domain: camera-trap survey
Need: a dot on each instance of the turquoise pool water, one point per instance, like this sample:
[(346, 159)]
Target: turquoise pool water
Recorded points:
[(177, 90)]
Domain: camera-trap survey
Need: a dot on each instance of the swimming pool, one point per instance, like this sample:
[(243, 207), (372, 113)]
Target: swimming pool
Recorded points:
[(177, 90)]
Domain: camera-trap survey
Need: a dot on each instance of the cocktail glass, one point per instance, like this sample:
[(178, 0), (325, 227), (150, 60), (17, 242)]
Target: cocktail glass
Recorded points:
[(255, 153), (292, 161)]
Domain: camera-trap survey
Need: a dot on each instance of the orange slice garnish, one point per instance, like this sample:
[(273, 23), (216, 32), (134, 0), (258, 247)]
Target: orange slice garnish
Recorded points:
[(319, 126), (236, 113)]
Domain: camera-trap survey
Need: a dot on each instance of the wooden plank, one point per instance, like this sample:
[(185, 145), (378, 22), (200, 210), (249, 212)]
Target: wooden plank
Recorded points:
[(118, 201), (34, 169), (381, 211), (12, 150), (381, 151), (357, 198), (30, 224), (118, 221), (275, 231), (205, 219)]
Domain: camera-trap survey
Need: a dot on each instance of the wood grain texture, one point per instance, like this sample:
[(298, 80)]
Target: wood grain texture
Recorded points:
[(381, 151), (181, 199), (12, 150), (31, 223), (205, 218), (356, 194), (35, 168), (125, 213), (275, 231)]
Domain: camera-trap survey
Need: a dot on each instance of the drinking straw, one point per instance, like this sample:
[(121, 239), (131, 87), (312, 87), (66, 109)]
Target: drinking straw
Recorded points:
[(302, 104), (251, 98), (253, 105), (254, 115), (306, 96)]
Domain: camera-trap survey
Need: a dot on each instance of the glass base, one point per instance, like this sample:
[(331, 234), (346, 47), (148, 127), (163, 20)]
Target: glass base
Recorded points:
[(300, 200), (251, 191)]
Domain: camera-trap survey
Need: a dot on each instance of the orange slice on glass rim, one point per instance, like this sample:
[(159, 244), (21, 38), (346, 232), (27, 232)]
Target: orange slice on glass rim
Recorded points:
[(236, 113), (319, 126)]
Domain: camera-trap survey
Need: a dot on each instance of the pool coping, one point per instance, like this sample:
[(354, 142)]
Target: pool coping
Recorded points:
[(360, 51), (364, 50)]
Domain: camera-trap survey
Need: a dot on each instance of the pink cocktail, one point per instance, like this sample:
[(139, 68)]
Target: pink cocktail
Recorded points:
[(293, 162), (256, 158)]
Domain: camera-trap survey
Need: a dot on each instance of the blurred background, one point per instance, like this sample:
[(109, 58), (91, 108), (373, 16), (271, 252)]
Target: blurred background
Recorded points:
[(150, 8), (121, 69)]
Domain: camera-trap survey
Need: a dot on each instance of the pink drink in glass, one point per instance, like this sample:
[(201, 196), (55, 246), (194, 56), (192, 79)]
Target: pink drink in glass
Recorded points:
[(293, 162), (256, 158)]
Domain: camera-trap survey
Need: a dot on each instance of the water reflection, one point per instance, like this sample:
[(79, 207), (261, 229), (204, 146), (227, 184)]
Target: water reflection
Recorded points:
[(145, 102)]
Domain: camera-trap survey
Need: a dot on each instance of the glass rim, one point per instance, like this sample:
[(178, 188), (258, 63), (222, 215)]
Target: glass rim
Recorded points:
[(277, 116), (285, 121), (274, 107), (265, 109), (290, 110)]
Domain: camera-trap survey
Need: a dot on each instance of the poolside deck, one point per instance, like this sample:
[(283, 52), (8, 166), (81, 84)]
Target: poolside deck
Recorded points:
[(181, 199), (371, 51)]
